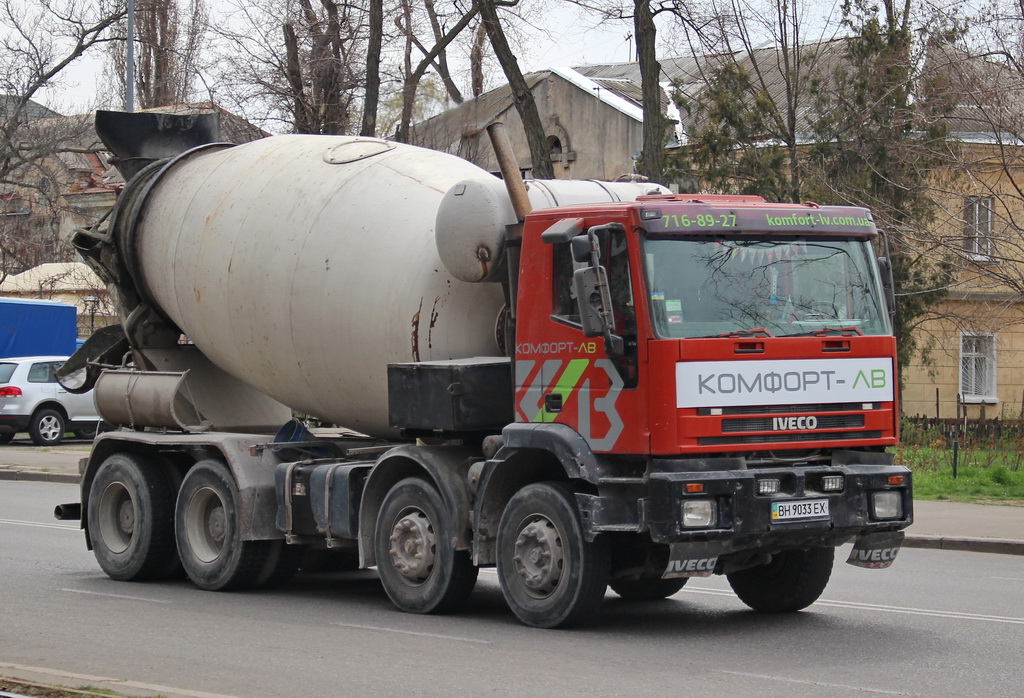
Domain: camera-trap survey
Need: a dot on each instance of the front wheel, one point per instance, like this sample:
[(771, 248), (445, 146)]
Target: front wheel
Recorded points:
[(550, 574), (648, 588), (420, 569), (47, 428), (131, 519), (792, 581), (206, 524)]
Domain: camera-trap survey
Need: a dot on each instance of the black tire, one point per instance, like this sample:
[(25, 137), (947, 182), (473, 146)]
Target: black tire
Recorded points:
[(420, 570), (792, 581), (281, 564), (47, 427), (131, 519), (6, 438), (550, 575), (85, 433), (206, 525), (647, 588)]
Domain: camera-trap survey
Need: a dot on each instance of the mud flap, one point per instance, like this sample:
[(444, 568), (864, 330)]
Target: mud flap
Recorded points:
[(692, 560), (875, 551)]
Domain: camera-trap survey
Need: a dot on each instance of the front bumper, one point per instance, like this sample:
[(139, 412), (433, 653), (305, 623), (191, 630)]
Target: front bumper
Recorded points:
[(744, 519)]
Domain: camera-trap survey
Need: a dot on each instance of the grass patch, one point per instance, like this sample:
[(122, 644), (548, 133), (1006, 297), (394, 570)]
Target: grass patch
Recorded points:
[(990, 465)]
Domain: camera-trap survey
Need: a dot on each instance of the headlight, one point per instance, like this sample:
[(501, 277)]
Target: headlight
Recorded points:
[(699, 513), (887, 505)]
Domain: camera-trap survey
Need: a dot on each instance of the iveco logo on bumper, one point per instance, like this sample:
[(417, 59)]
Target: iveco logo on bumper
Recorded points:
[(794, 423)]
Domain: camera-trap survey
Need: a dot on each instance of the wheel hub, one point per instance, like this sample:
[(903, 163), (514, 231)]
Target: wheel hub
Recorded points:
[(48, 428), (413, 548), (116, 517), (126, 518), (206, 524), (539, 557)]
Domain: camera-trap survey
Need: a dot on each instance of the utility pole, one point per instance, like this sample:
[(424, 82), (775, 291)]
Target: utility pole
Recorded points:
[(129, 66)]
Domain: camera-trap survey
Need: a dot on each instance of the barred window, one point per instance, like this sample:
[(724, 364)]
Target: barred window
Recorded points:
[(978, 367), (978, 243)]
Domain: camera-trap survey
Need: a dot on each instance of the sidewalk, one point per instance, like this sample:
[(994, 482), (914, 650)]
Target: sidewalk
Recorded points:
[(940, 525)]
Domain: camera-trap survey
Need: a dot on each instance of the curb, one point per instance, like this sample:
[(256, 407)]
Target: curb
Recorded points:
[(36, 476), (999, 546)]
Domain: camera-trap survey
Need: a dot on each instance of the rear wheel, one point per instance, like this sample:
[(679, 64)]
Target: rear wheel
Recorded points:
[(47, 427), (6, 438), (550, 575), (206, 523), (792, 581), (131, 519), (420, 569), (85, 433), (647, 588)]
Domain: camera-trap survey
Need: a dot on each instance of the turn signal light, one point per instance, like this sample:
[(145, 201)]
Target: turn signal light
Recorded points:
[(694, 487), (10, 391), (896, 480)]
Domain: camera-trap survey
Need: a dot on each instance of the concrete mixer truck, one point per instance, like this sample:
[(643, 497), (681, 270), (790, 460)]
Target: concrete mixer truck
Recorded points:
[(585, 385)]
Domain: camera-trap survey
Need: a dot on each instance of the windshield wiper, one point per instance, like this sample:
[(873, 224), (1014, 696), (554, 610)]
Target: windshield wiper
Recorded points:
[(825, 331), (756, 332)]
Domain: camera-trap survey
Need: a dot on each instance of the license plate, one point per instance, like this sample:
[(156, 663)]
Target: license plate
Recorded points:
[(800, 509)]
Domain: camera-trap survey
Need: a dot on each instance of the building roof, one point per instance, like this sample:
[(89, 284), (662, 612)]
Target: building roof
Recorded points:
[(53, 277), (33, 109)]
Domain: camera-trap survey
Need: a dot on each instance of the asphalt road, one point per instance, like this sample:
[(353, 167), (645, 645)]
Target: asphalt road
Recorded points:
[(938, 623)]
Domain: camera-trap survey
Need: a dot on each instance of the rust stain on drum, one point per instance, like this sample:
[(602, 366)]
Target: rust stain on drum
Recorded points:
[(434, 314), (416, 333)]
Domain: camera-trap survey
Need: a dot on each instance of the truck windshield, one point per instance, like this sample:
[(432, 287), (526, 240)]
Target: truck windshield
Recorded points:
[(725, 285)]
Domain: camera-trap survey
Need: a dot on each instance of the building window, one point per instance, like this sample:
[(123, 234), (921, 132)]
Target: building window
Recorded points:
[(978, 367), (978, 227)]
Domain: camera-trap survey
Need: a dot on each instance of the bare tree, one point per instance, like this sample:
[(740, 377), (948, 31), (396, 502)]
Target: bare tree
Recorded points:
[(540, 154), (375, 33), (38, 42), (297, 64), (169, 36), (432, 57)]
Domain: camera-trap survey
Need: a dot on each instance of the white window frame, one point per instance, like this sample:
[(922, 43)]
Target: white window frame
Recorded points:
[(980, 358), (979, 243)]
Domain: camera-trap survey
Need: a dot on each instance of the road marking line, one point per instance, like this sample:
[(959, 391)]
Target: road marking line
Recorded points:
[(115, 596), (808, 682), (956, 615), (410, 632), (39, 524)]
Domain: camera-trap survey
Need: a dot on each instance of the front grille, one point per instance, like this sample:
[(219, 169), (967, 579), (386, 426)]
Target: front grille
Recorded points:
[(808, 436), (838, 421), (787, 409)]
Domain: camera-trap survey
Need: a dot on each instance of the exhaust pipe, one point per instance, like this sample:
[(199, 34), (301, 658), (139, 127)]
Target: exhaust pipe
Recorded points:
[(68, 512)]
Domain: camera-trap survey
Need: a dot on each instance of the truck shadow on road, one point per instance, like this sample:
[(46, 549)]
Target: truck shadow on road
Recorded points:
[(700, 617)]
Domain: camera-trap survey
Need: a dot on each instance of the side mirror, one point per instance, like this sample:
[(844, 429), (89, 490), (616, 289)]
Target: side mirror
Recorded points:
[(888, 285), (593, 298)]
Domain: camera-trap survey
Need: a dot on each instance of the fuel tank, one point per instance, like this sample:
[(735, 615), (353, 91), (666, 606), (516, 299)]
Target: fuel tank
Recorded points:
[(303, 265)]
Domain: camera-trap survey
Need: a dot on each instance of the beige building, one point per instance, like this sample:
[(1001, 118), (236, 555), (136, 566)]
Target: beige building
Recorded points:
[(594, 126), (974, 343), (73, 283)]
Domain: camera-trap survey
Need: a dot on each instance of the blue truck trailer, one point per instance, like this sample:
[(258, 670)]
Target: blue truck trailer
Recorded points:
[(37, 328)]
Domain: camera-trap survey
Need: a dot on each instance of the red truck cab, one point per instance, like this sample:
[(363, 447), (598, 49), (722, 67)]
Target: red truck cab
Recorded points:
[(732, 358)]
